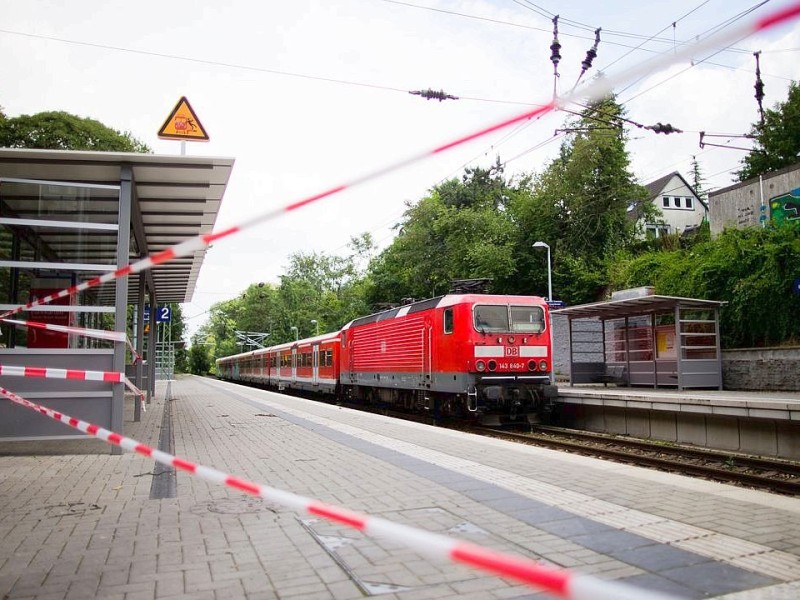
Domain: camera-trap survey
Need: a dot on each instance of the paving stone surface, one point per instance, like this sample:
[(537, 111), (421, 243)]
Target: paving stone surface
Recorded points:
[(102, 525)]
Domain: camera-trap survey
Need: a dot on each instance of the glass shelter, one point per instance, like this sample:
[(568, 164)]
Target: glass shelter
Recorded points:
[(653, 341), (69, 217)]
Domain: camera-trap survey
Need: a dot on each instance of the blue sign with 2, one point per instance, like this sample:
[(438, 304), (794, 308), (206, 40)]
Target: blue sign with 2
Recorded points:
[(163, 314)]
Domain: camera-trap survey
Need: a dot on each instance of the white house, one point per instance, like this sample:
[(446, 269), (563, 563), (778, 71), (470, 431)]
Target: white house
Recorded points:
[(681, 209)]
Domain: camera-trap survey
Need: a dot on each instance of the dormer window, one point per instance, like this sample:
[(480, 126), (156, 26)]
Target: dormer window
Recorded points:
[(689, 203), (665, 201), (677, 202)]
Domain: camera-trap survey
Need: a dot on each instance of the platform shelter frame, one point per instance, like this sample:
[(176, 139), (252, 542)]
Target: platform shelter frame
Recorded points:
[(652, 341), (67, 217)]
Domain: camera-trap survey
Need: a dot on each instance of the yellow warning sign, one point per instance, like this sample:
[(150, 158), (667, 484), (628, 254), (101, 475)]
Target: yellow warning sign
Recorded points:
[(183, 124)]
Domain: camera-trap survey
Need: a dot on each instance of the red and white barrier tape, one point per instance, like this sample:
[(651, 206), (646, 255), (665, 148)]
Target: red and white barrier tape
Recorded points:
[(596, 89), (562, 584), (100, 334), (72, 374)]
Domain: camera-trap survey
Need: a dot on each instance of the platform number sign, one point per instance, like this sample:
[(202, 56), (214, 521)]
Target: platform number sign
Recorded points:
[(163, 313)]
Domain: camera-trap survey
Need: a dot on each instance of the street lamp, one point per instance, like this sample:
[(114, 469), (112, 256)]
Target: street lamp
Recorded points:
[(296, 333), (315, 323), (549, 273)]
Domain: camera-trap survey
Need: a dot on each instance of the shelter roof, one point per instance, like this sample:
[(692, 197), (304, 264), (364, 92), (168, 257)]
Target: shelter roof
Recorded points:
[(617, 309), (176, 198)]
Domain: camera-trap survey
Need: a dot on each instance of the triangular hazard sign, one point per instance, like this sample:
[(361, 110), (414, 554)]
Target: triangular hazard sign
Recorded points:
[(183, 124)]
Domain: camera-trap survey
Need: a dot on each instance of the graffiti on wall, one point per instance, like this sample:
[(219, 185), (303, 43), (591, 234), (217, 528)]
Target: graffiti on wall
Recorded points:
[(786, 207)]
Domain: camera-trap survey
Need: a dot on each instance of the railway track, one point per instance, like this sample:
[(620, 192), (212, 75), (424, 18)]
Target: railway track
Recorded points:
[(775, 476)]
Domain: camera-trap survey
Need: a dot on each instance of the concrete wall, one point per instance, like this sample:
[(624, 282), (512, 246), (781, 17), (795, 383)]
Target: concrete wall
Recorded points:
[(740, 205), (764, 437), (763, 369)]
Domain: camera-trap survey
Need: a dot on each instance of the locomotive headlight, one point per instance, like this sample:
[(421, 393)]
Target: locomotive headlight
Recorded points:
[(543, 365), (531, 365), (480, 365), (492, 365), (511, 339)]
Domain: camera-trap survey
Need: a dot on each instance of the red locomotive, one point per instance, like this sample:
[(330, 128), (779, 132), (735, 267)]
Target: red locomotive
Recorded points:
[(464, 355)]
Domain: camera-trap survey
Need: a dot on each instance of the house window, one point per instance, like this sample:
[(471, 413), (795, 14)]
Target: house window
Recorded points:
[(665, 201), (656, 231), (688, 202), (677, 202)]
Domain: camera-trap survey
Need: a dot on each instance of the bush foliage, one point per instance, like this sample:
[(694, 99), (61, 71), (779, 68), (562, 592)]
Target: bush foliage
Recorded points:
[(753, 270)]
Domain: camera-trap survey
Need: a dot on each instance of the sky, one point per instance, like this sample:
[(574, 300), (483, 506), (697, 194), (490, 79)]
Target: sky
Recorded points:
[(307, 95)]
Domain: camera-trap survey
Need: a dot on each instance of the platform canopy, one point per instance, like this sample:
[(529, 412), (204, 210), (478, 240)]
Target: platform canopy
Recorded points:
[(175, 198), (615, 309)]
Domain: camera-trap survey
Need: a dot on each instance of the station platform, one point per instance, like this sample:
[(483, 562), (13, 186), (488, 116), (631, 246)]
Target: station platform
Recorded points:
[(771, 405), (761, 423), (120, 527)]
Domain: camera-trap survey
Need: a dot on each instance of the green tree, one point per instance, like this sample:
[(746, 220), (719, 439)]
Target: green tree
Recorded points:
[(60, 130), (777, 140), (177, 327), (199, 359), (751, 269), (460, 231), (581, 205), (327, 289), (698, 180)]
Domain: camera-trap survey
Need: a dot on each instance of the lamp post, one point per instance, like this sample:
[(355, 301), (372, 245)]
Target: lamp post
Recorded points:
[(296, 333), (315, 323), (549, 273)]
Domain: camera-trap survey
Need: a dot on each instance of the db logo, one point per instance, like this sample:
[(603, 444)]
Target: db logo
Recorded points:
[(512, 351)]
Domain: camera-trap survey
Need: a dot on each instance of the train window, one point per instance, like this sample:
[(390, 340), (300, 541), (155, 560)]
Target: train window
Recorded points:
[(329, 358), (491, 318), (527, 319), (448, 320)]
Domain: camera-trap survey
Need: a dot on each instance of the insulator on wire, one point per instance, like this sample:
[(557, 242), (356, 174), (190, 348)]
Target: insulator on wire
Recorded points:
[(555, 56), (591, 54), (555, 47), (430, 94), (759, 87), (664, 128)]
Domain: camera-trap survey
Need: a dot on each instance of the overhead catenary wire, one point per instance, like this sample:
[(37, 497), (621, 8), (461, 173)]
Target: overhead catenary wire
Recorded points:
[(598, 89), (704, 35), (244, 67), (665, 128)]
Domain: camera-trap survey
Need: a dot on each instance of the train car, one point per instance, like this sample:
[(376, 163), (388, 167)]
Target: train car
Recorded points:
[(464, 355), (246, 367), (310, 364)]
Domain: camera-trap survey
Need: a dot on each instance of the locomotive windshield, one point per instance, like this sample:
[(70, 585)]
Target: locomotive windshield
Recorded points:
[(523, 319), (527, 319)]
